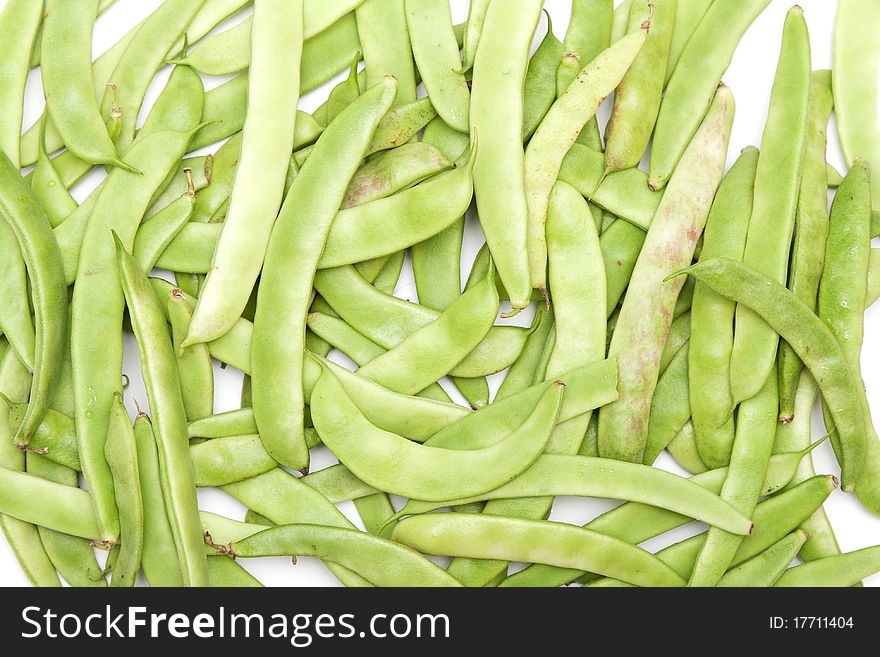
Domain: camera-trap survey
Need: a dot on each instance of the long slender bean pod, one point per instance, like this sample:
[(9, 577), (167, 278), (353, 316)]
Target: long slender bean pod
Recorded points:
[(559, 130), (159, 369), (689, 94), (712, 316), (777, 182), (22, 213), (304, 221), (811, 230), (265, 154), (637, 97), (499, 172), (66, 62), (647, 312)]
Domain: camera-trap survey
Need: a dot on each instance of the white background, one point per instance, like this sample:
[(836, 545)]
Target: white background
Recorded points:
[(750, 77)]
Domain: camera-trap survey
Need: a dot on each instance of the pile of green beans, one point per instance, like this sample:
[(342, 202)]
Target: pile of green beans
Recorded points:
[(612, 318)]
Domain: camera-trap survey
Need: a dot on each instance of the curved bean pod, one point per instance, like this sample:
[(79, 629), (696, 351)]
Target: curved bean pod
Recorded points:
[(533, 541), (670, 406), (67, 82), (843, 282), (437, 57), (647, 310), (812, 341), (381, 562), (585, 476), (74, 557), (395, 170), (388, 225), (777, 182), (286, 285), (766, 568), (70, 511), (425, 472), (156, 233), (689, 93), (779, 516), (624, 193), (840, 570), (145, 54), (284, 500), (15, 318), (712, 315), (560, 129), (634, 522), (22, 213)]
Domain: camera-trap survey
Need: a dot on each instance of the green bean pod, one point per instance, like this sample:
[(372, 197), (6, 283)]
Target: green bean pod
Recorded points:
[(688, 15), (777, 182), (436, 54), (48, 186), (559, 130), (145, 54), (752, 447), (775, 518), (647, 311), (670, 406), (159, 558), (19, 22), (425, 472), (797, 435), (15, 318), (386, 44), (637, 97), (159, 369), (284, 499), (766, 568), (812, 341), (282, 306), (22, 213), (624, 193), (690, 90), (537, 541), (712, 315), (635, 522), (844, 282), (157, 232), (840, 570), (477, 10), (388, 225), (380, 562), (121, 453), (67, 82), (855, 85), (193, 363), (257, 191), (499, 172), (539, 87)]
